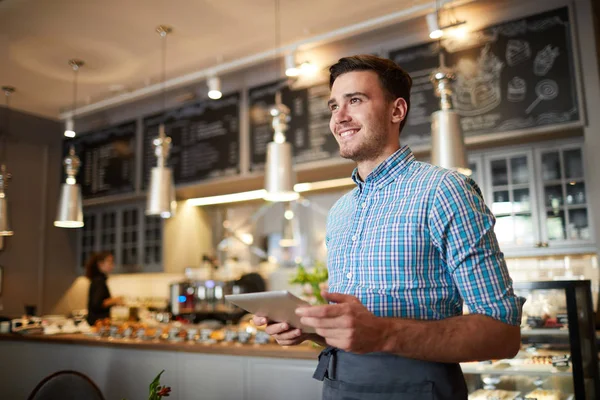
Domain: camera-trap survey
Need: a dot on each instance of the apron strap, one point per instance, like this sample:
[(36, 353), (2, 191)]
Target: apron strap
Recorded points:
[(324, 358)]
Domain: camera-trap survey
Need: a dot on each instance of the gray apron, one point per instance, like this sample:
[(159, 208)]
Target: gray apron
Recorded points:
[(382, 376)]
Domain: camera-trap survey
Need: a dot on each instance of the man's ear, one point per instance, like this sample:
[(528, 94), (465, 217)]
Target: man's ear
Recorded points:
[(399, 110)]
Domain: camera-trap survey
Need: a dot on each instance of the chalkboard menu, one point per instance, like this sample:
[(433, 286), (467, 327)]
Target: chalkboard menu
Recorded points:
[(204, 139), (308, 130), (515, 76), (107, 160)]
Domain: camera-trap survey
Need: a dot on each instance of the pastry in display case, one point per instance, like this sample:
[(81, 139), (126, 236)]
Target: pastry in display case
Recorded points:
[(558, 359)]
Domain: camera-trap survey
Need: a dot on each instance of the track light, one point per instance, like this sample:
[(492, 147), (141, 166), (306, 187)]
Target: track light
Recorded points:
[(214, 87), (291, 69), (69, 128), (434, 27)]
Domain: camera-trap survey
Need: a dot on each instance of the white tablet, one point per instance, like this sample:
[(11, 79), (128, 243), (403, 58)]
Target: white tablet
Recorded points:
[(278, 306)]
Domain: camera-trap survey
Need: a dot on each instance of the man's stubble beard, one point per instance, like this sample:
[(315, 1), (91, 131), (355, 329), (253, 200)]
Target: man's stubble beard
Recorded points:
[(373, 144)]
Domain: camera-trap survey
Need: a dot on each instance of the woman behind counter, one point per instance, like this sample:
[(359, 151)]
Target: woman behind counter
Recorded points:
[(99, 300)]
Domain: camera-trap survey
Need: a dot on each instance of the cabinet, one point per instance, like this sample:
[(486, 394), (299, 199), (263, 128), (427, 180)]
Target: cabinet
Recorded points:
[(538, 196), (133, 238), (559, 356)]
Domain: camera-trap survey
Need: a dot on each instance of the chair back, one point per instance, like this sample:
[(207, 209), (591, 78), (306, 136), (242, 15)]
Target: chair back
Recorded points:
[(66, 385)]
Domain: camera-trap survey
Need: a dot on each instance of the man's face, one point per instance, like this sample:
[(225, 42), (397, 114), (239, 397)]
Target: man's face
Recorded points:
[(361, 116)]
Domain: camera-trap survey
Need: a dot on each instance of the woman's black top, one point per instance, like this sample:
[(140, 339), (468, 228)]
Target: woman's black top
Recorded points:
[(97, 294)]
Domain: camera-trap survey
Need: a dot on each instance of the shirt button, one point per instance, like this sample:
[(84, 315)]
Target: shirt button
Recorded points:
[(349, 275), (354, 238), (364, 204)]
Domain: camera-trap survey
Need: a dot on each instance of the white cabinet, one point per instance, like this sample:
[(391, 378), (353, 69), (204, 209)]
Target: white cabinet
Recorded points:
[(538, 195)]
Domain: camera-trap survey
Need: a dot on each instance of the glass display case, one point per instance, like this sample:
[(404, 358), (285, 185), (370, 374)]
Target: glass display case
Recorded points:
[(558, 359)]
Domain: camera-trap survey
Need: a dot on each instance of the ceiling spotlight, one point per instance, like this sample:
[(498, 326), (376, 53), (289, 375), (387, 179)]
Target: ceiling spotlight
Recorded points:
[(290, 65), (69, 128), (214, 87), (434, 27)]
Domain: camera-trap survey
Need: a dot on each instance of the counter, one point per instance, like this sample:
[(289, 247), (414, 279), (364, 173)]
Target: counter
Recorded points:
[(123, 368)]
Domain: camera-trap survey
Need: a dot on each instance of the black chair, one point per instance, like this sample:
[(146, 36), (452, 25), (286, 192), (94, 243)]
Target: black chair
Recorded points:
[(66, 385)]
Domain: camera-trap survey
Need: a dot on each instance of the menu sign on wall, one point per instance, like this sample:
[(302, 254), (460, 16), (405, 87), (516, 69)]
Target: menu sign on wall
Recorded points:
[(515, 76), (107, 160), (204, 139), (308, 130)]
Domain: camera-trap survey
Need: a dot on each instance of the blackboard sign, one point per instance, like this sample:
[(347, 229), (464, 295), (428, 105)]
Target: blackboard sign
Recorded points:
[(107, 160), (515, 76), (204, 139), (308, 130)]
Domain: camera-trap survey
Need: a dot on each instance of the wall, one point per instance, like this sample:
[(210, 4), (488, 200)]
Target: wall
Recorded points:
[(50, 272), (38, 260)]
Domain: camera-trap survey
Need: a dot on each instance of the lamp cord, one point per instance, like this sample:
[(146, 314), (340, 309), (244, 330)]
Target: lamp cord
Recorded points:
[(7, 125), (164, 69)]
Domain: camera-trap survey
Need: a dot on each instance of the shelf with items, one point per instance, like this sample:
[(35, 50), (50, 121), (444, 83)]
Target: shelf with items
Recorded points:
[(559, 356)]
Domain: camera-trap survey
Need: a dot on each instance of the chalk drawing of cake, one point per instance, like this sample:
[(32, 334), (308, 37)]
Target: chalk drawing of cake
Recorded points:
[(477, 87)]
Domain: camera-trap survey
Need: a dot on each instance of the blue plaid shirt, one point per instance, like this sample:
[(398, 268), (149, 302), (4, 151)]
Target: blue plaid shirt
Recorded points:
[(415, 241)]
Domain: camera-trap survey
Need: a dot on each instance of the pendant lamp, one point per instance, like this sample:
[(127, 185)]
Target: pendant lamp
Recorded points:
[(5, 229), (70, 210), (161, 192), (447, 141)]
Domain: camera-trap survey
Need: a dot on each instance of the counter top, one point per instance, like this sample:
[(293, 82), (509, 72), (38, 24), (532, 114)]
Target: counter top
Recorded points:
[(305, 351)]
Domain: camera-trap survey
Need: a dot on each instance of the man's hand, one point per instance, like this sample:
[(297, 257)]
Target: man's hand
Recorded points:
[(283, 333), (347, 325)]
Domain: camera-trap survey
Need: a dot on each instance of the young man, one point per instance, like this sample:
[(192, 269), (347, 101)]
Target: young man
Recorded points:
[(406, 248)]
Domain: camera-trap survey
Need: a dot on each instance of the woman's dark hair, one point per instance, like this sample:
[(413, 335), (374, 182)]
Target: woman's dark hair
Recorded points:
[(91, 266), (394, 81)]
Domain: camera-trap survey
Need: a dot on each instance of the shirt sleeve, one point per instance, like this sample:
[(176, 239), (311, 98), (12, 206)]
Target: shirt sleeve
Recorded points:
[(462, 229)]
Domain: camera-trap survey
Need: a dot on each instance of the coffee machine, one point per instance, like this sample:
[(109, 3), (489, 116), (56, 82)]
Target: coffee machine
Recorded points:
[(198, 300)]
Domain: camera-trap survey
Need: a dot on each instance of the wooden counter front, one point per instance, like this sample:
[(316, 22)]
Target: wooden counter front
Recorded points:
[(305, 351)]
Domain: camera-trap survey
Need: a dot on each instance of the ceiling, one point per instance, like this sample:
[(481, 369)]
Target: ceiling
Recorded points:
[(117, 41)]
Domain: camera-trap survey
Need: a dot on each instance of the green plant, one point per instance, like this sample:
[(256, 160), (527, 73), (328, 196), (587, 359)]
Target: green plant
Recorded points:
[(157, 392), (314, 278)]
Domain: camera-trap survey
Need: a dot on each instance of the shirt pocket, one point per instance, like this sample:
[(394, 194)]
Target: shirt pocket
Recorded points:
[(394, 255)]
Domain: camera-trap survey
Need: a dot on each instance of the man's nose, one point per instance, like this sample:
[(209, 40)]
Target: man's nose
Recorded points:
[(342, 115)]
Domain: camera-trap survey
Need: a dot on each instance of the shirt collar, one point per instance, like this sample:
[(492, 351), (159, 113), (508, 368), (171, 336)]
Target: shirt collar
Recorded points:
[(387, 171)]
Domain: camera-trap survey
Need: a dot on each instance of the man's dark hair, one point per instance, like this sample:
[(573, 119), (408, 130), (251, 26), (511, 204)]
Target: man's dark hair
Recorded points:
[(394, 81)]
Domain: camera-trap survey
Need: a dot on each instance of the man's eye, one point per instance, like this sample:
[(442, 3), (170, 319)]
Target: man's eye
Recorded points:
[(354, 100), (333, 107)]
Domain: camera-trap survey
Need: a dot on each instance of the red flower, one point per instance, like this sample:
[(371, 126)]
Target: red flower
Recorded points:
[(164, 391)]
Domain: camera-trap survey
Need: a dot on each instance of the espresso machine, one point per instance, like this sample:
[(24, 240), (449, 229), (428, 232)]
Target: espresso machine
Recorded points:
[(198, 300)]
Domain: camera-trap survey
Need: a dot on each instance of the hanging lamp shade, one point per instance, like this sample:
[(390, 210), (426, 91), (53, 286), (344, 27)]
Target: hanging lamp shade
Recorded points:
[(70, 210), (5, 229), (279, 170), (447, 140), (161, 192)]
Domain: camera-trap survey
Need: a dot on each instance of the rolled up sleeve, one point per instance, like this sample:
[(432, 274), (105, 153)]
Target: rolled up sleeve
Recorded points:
[(462, 229)]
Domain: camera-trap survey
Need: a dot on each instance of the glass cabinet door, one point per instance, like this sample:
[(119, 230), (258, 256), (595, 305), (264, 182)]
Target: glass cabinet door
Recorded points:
[(563, 195), (510, 184)]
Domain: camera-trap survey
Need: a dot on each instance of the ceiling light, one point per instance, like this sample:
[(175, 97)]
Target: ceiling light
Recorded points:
[(432, 24), (447, 141), (214, 87), (161, 192), (5, 229), (69, 124), (228, 198), (291, 69), (70, 211), (279, 171)]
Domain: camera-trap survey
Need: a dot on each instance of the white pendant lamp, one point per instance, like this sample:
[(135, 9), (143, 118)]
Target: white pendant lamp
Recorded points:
[(70, 210), (447, 141), (5, 229), (279, 170), (214, 88), (161, 192)]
